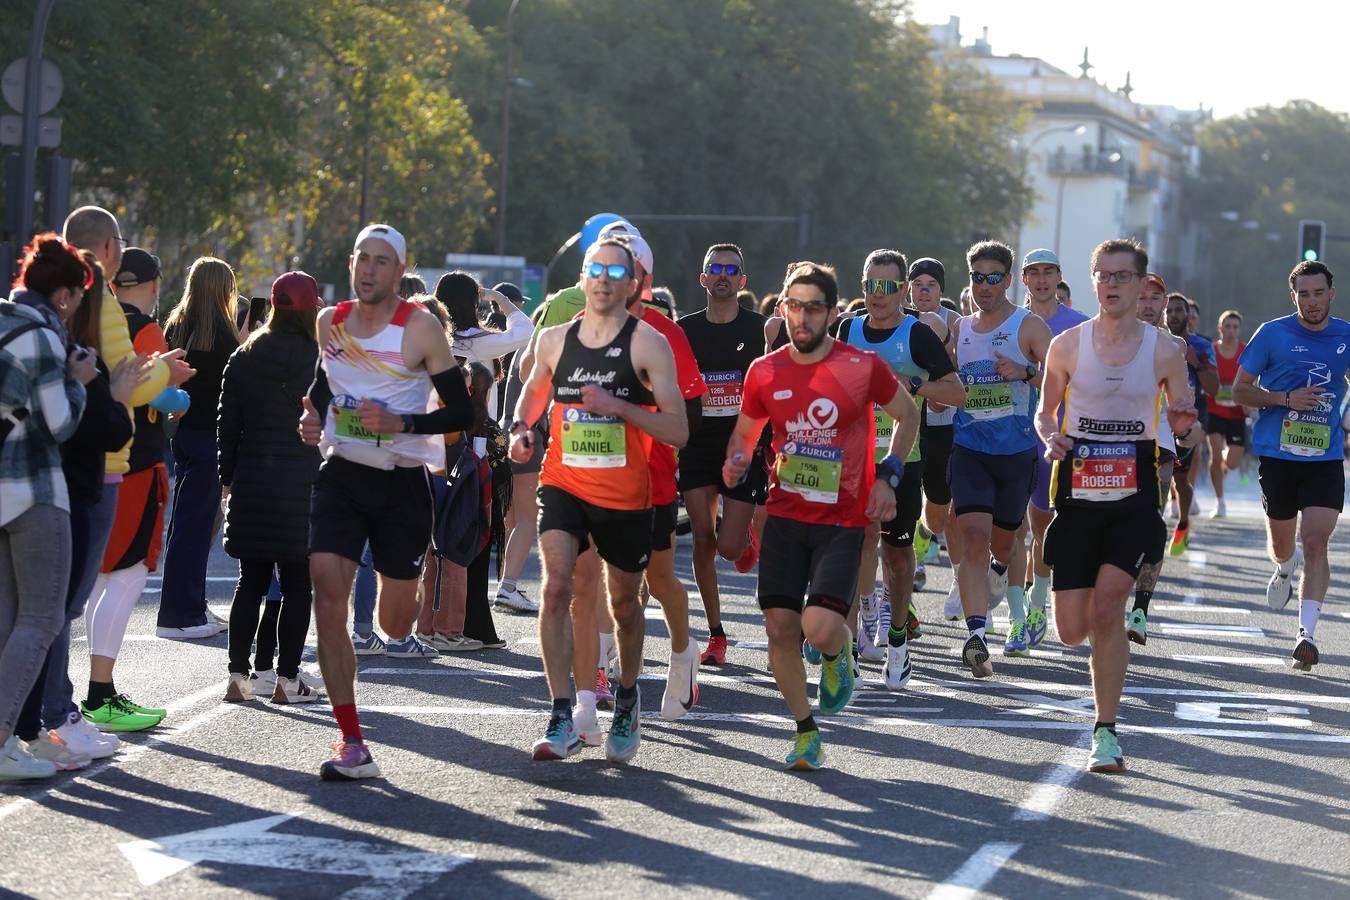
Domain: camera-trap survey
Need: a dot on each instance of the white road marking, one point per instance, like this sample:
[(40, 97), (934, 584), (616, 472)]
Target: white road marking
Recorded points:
[(1196, 559), (1190, 607), (1204, 628), (1191, 599), (1054, 785), (976, 872), (1285, 716), (1231, 660)]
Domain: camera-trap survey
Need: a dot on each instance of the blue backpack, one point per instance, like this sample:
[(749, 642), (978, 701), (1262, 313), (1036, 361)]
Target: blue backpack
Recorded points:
[(464, 512)]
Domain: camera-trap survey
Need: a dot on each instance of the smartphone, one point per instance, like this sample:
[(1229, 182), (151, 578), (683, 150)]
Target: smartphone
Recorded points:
[(257, 311)]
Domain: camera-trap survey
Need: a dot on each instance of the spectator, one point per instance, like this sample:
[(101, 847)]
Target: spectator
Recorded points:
[(470, 341), (768, 306), (478, 623), (266, 473), (747, 300), (42, 393), (410, 285), (202, 325), (1064, 294)]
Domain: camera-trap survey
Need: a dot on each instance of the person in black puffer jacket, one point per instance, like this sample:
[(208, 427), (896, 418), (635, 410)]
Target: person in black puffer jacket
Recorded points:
[(266, 472)]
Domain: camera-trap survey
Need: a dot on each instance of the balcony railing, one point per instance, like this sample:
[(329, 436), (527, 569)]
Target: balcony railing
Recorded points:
[(1062, 163)]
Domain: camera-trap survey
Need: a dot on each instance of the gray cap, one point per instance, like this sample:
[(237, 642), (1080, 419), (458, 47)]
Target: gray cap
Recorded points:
[(1041, 257)]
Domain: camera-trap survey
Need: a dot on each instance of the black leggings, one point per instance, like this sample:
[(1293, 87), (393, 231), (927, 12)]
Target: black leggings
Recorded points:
[(255, 577)]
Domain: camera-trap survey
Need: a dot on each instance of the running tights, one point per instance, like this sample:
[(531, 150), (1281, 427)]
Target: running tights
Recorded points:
[(109, 608)]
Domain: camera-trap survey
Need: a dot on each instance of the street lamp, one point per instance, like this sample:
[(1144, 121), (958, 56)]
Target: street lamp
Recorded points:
[(506, 137)]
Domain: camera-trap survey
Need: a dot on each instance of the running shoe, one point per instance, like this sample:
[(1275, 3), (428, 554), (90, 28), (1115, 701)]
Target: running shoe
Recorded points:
[(1036, 627), (913, 627), (853, 654), (263, 683), (144, 710), (922, 541), (681, 683), (238, 689), (1219, 511), (932, 555), (351, 760), (1137, 627), (515, 601), (1105, 756), (295, 690), (17, 764), (715, 654), (117, 715), (560, 741), (869, 613), (810, 653), (604, 697), (50, 747), (975, 654), (373, 645), (191, 632), (836, 683), (867, 648), (884, 614), (1181, 539), (1244, 479), (920, 577), (82, 737), (750, 558), (998, 587), (1016, 642), (625, 731), (587, 726), (1305, 654), (1281, 587), (807, 754), (450, 643), (410, 648), (951, 608), (897, 668)]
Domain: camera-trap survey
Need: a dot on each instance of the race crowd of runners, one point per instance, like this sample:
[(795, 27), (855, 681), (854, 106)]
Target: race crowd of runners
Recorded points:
[(366, 461)]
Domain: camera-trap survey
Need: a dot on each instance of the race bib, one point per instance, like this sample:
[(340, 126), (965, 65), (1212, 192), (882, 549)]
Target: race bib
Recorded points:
[(811, 472), (885, 430), (724, 393), (347, 422), (1225, 395), (1305, 433), (593, 442), (1104, 472), (991, 400)]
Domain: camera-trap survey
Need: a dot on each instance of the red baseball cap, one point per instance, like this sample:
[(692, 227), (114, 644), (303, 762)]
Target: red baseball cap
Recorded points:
[(1156, 279), (296, 291)]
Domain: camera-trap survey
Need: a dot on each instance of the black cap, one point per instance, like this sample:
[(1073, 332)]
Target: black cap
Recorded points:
[(511, 292), (929, 266), (138, 267)]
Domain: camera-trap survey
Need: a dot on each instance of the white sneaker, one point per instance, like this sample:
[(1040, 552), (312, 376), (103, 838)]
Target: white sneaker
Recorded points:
[(1281, 587), (263, 683), (239, 690), (450, 643), (50, 747), (867, 648), (516, 601), (80, 735), (211, 616), (294, 690), (192, 632), (17, 764), (681, 683), (951, 608), (587, 724), (897, 668), (1219, 511), (998, 587)]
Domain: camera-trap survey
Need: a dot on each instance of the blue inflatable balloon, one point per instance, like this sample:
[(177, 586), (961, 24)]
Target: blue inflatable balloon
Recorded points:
[(590, 232), (172, 401)]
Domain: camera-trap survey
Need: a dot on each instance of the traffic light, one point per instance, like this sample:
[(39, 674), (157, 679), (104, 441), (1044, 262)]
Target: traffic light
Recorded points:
[(1312, 239)]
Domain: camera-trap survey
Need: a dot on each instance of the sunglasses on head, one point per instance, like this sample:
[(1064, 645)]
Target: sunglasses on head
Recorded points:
[(615, 271), (730, 269), (881, 286), (991, 278)]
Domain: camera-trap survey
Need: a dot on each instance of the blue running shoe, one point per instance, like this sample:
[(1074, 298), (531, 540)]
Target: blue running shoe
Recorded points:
[(368, 646), (1036, 627), (625, 731), (836, 683), (807, 753), (810, 654), (1105, 755), (932, 555), (560, 741), (410, 648), (1016, 642)]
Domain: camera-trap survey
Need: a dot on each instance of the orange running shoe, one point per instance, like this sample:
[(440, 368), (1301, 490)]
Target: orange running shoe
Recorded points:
[(750, 558), (716, 653)]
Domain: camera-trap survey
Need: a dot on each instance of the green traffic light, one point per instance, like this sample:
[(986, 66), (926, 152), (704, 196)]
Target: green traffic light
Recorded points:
[(1310, 255)]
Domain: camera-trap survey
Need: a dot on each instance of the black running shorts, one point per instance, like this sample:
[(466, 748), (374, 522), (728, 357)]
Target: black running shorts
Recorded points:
[(998, 484), (622, 537), (1234, 431), (1080, 541), (663, 525), (899, 532), (702, 468), (807, 564), (1289, 487), (351, 504), (935, 443)]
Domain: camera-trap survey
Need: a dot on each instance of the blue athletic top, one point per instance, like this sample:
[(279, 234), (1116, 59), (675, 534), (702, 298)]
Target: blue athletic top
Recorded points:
[(997, 417), (1286, 356)]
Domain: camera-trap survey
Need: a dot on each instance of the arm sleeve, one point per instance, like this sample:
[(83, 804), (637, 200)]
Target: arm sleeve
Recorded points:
[(884, 384), (229, 425), (320, 394), (456, 414), (494, 345), (929, 352), (693, 412)]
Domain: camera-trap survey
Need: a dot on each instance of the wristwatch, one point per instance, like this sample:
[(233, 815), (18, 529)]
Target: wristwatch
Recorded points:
[(915, 382), (1031, 372), (407, 424)]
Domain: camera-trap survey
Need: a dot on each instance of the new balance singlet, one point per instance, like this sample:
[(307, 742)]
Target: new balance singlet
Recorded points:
[(895, 348), (997, 416), (602, 460), (371, 368)]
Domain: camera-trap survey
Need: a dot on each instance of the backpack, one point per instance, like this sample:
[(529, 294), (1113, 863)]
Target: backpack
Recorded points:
[(463, 524), (10, 420)]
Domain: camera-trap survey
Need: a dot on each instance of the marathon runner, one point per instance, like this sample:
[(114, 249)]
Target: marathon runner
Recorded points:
[(1104, 375), (611, 380), (1204, 378), (1300, 362), (904, 339), (372, 414), (725, 339), (1041, 273), (818, 394), (999, 351), (1226, 425)]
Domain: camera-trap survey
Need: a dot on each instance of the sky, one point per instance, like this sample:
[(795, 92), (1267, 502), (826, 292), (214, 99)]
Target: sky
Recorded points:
[(1228, 56)]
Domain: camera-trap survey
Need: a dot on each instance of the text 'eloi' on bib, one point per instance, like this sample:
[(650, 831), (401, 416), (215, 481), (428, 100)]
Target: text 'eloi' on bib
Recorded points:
[(811, 472)]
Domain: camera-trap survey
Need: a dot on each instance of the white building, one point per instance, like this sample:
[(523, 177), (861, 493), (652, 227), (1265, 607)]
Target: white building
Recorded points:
[(1101, 165)]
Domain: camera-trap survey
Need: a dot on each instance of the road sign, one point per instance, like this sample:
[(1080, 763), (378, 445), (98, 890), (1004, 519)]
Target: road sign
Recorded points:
[(398, 870), (50, 85), (11, 131)]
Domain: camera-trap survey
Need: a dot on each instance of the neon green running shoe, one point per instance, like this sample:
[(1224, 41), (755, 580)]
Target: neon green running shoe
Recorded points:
[(836, 683), (117, 715), (1036, 627), (1016, 642), (1105, 755), (922, 541), (143, 710), (807, 752)]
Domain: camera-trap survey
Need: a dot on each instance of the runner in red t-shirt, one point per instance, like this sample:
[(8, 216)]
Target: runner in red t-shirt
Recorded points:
[(818, 394), (1226, 428)]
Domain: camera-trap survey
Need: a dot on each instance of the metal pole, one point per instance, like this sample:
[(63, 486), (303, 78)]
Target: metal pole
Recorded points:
[(32, 94), (1059, 210), (506, 139)]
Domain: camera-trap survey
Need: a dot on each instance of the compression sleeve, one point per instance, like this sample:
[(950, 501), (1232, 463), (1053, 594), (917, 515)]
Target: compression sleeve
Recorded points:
[(320, 394), (456, 414), (693, 411)]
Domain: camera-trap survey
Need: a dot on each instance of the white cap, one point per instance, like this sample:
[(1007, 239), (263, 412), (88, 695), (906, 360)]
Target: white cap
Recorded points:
[(387, 233), (625, 232)]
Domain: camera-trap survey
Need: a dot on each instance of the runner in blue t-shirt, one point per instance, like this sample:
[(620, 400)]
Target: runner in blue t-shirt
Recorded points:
[(1300, 362)]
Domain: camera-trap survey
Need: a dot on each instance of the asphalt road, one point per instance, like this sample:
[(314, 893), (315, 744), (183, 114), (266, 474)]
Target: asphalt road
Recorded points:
[(1237, 781)]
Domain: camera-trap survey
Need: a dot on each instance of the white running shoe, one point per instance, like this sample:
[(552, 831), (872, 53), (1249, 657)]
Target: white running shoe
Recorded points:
[(294, 690), (263, 682), (50, 747), (867, 648), (897, 668), (587, 725), (450, 643), (1281, 587), (516, 601), (951, 608), (239, 690), (1219, 511), (681, 683), (192, 632), (80, 735), (998, 587), (17, 764)]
